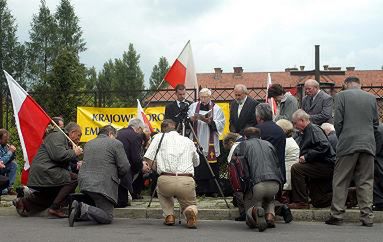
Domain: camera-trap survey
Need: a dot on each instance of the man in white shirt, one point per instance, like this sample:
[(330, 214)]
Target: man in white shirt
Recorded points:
[(175, 161)]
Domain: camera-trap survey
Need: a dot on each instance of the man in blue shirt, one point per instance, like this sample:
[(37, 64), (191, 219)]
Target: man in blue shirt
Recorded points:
[(7, 158)]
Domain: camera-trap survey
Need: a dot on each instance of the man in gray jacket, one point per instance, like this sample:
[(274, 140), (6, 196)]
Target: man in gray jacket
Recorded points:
[(356, 121), (105, 162)]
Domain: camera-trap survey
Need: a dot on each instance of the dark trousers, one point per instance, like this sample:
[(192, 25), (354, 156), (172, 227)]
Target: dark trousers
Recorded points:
[(378, 183), (101, 213), (4, 183), (302, 174), (49, 197), (204, 179)]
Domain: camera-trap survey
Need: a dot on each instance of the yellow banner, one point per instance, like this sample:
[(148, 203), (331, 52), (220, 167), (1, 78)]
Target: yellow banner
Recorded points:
[(91, 119)]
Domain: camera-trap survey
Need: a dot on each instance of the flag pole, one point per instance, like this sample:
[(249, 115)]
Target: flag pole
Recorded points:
[(150, 100), (62, 131)]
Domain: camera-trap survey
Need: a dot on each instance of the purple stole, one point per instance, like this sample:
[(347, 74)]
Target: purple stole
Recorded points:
[(211, 156)]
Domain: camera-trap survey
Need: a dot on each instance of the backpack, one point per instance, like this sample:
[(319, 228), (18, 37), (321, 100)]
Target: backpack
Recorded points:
[(238, 170)]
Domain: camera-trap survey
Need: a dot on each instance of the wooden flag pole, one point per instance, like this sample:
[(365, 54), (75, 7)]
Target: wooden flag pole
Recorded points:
[(54, 123)]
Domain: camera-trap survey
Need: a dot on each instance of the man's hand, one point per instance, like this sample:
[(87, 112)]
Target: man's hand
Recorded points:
[(145, 167), (12, 148), (302, 159), (77, 150), (2, 166), (193, 118)]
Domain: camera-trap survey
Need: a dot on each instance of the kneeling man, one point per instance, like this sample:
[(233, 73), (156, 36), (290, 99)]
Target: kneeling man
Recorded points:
[(105, 162), (174, 156)]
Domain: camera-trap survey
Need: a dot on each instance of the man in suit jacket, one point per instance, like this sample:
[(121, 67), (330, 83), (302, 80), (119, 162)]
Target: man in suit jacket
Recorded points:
[(242, 110), (104, 163), (317, 103), (177, 110), (356, 123)]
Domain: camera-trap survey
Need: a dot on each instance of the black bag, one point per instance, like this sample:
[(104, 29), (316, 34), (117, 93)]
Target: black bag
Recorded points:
[(239, 174)]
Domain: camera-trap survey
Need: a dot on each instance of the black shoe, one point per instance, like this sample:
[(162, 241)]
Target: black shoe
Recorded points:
[(75, 213), (286, 213), (242, 217), (367, 224), (377, 208), (334, 221)]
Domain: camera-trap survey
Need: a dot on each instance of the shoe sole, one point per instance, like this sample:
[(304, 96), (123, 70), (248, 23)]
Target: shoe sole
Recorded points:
[(287, 216), (249, 218), (190, 214), (73, 213), (261, 221)]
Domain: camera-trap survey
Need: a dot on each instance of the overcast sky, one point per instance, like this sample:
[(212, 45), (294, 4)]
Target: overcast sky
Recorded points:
[(257, 35)]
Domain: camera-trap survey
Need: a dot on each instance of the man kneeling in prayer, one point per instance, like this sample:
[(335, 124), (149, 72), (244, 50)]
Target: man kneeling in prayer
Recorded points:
[(174, 156), (105, 162)]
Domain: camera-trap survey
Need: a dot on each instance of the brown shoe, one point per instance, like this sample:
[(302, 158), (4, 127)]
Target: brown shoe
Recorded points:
[(191, 218), (270, 220), (170, 220), (299, 205), (57, 213)]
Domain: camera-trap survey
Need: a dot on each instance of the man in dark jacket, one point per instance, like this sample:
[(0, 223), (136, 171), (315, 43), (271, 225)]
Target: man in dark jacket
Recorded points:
[(131, 138), (271, 132), (356, 122), (242, 110), (105, 162), (316, 163), (178, 109), (49, 175), (265, 179)]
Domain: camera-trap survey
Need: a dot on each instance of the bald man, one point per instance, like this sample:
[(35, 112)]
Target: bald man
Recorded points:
[(242, 110), (317, 103)]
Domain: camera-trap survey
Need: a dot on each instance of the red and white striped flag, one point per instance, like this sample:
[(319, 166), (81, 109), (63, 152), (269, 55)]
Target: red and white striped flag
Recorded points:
[(271, 100), (182, 70), (31, 122), (142, 116)]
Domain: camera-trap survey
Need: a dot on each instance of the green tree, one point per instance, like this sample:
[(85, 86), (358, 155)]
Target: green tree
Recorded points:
[(128, 76), (42, 48), (158, 73), (91, 79), (69, 31), (66, 79), (104, 83)]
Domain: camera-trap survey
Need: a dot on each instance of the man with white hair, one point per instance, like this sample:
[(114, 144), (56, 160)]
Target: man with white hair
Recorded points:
[(331, 135), (317, 103), (208, 123), (242, 110), (131, 137)]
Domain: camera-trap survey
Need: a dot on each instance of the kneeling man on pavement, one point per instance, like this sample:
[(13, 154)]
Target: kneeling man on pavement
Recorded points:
[(105, 162), (174, 156)]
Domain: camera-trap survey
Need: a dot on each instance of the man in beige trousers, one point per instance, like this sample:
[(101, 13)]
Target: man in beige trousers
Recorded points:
[(174, 156)]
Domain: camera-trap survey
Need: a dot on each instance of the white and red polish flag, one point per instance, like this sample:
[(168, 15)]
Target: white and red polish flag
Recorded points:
[(182, 71), (142, 116), (271, 100), (31, 123)]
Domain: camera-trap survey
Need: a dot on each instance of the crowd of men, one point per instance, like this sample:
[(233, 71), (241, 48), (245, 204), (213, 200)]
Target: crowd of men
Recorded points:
[(297, 158)]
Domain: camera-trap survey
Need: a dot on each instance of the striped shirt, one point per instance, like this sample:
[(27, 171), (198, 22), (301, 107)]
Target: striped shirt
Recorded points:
[(177, 154)]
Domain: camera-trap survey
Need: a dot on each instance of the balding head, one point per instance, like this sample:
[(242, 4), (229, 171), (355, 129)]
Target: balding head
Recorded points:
[(300, 119), (311, 87)]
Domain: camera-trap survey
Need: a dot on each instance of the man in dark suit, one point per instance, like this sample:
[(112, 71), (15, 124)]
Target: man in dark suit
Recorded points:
[(131, 138), (104, 163), (242, 110), (177, 110), (317, 103), (356, 123)]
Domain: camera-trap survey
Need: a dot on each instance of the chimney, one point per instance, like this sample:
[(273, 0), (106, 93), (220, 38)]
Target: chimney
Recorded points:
[(217, 72), (238, 71), (325, 67), (335, 68), (302, 68), (350, 68)]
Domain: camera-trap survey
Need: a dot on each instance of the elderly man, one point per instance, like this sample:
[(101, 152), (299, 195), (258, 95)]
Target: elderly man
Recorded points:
[(331, 135), (317, 103), (271, 132), (105, 162), (132, 139), (7, 158), (287, 103), (265, 179), (242, 110), (178, 109), (316, 163), (208, 123), (356, 122), (174, 156), (49, 175)]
